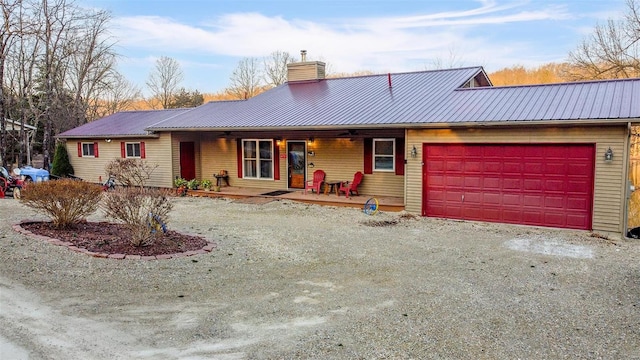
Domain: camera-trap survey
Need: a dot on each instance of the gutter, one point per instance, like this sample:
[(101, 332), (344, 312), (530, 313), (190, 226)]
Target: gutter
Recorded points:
[(112, 136), (440, 125)]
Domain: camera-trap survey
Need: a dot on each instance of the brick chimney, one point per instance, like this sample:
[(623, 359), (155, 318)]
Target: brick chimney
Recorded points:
[(305, 70)]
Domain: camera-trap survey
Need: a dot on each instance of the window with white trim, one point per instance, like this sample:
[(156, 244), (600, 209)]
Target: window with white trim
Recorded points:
[(384, 156), (257, 159), (133, 150), (88, 150)]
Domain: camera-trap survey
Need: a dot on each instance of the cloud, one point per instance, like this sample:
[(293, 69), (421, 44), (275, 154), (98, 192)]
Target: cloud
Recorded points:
[(480, 35)]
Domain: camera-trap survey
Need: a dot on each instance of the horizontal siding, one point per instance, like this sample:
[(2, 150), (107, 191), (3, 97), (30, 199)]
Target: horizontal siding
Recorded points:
[(609, 182), (339, 158), (93, 169)]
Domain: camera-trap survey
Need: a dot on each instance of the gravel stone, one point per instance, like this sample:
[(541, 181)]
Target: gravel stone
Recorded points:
[(289, 280)]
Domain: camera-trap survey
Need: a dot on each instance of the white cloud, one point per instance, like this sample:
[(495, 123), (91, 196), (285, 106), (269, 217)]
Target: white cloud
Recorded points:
[(378, 44)]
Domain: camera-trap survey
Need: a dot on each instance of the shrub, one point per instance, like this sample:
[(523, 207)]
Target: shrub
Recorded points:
[(130, 172), (141, 210), (61, 164), (65, 201)]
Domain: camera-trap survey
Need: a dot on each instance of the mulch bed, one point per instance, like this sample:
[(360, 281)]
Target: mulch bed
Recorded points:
[(110, 238)]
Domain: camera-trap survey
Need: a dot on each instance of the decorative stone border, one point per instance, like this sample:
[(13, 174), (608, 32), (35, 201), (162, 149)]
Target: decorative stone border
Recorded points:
[(17, 227)]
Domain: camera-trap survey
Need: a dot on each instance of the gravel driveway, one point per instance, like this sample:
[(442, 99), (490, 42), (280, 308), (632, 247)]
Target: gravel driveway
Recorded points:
[(292, 280)]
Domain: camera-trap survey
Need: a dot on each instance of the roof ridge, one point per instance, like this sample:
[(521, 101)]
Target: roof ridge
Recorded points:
[(566, 83), (221, 101), (403, 73)]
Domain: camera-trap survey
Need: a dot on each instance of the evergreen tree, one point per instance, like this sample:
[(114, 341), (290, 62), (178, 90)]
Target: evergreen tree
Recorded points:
[(61, 164)]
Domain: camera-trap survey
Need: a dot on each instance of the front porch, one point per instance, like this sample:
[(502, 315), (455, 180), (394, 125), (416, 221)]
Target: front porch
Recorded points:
[(386, 203)]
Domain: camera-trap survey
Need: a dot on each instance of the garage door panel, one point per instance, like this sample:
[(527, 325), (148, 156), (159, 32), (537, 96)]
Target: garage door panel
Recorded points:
[(577, 203), (491, 183), (536, 184), (554, 202), (533, 200), (579, 186), (511, 184), (533, 185), (553, 185), (512, 168)]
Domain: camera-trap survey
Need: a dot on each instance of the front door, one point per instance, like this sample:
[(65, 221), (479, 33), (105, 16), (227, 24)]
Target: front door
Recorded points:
[(296, 154), (187, 160)]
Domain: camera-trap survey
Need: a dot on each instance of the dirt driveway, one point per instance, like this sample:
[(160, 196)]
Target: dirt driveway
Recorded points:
[(291, 280)]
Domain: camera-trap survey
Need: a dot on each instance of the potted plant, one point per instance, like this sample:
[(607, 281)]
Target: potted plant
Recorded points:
[(206, 184), (193, 184), (181, 186)]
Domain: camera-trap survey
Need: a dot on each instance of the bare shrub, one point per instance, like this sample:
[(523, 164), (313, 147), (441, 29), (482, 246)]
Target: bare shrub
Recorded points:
[(65, 201), (130, 172), (143, 212)]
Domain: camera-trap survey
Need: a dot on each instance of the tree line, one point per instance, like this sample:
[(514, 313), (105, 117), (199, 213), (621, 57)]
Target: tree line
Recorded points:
[(58, 70)]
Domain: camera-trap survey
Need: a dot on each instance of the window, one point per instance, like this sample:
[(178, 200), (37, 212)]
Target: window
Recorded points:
[(384, 154), (133, 150), (257, 159), (88, 150)]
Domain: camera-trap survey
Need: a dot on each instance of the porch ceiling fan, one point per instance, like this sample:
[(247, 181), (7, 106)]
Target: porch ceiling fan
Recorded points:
[(349, 132)]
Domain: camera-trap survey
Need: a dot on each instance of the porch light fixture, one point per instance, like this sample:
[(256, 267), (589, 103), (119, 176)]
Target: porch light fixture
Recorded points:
[(608, 155), (414, 152), (310, 141), (107, 140)]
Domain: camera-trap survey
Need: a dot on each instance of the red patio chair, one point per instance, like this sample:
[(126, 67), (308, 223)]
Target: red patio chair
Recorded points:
[(318, 179), (348, 187)]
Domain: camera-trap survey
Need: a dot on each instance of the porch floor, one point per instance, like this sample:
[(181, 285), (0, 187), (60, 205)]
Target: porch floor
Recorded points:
[(386, 203)]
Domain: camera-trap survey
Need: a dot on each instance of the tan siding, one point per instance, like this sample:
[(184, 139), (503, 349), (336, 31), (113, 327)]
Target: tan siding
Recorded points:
[(305, 71), (92, 169), (609, 179), (340, 159)]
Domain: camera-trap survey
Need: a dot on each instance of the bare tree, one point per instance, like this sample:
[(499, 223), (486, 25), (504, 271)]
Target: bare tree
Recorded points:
[(165, 80), (246, 80), (54, 68), (7, 37), (275, 67), (91, 61), (119, 95), (612, 51)]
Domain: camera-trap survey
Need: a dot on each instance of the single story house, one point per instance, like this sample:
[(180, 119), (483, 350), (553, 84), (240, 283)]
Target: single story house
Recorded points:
[(447, 142)]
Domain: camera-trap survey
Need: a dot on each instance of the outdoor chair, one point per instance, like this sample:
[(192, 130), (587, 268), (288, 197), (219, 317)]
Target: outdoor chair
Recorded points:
[(318, 179), (349, 187)]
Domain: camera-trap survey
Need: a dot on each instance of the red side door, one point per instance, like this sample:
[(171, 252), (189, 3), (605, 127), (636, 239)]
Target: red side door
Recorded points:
[(187, 160)]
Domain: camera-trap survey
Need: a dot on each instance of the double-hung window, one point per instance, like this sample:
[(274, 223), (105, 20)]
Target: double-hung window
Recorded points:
[(133, 150), (384, 154), (88, 149), (258, 159)]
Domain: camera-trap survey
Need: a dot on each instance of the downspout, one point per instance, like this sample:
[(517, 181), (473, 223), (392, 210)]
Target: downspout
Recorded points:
[(627, 183), (406, 162)]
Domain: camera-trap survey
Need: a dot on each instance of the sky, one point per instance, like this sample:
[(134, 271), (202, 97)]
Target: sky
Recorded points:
[(209, 37)]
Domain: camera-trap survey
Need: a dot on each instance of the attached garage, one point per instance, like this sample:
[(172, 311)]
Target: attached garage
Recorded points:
[(531, 184), (534, 175)]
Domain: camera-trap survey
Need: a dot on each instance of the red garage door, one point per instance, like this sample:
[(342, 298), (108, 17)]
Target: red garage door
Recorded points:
[(539, 184)]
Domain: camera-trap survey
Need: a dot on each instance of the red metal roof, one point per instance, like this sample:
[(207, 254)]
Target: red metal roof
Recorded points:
[(417, 98), (125, 123), (599, 100), (330, 103)]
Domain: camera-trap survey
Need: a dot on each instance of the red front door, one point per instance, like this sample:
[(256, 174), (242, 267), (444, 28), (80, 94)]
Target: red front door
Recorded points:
[(187, 160), (532, 184)]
